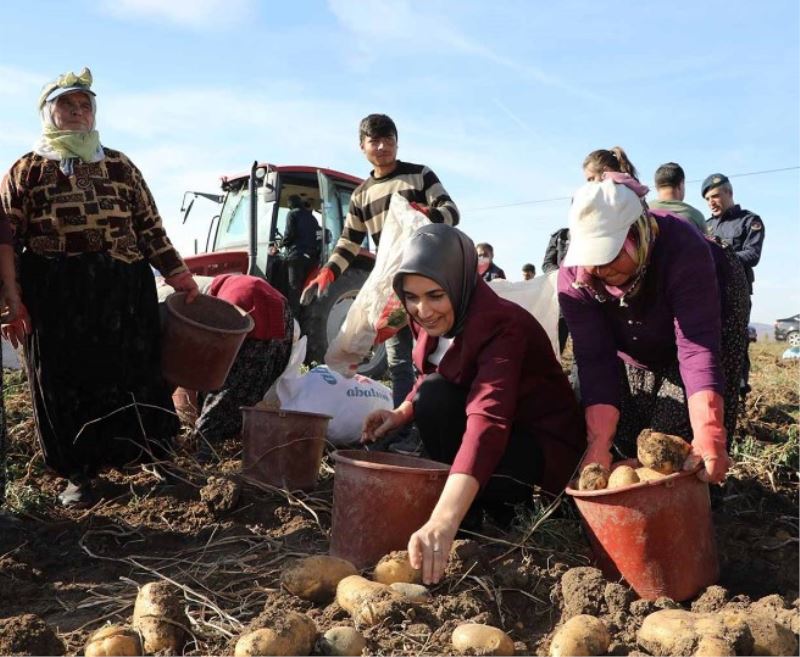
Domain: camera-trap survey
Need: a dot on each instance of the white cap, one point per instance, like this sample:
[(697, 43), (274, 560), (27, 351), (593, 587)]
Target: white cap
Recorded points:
[(599, 220)]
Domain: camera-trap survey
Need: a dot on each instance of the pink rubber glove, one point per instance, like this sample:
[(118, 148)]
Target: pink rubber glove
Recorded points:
[(706, 415), (629, 181), (16, 330), (601, 426), (184, 282), (316, 288)]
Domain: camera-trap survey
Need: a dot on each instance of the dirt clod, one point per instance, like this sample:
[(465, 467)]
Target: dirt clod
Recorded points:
[(221, 494), (583, 589), (28, 634), (713, 598)]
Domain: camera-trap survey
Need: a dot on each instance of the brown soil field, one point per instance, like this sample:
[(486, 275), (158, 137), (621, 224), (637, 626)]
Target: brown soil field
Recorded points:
[(65, 573)]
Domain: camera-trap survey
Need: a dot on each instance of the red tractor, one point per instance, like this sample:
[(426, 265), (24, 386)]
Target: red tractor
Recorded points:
[(245, 237)]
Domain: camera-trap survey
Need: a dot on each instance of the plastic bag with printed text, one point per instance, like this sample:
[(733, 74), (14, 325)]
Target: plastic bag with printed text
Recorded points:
[(347, 401), (376, 313)]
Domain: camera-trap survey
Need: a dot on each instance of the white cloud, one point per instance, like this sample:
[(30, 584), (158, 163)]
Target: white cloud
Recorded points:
[(195, 14)]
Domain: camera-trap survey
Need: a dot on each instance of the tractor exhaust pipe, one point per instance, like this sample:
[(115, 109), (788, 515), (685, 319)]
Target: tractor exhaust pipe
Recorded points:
[(252, 245)]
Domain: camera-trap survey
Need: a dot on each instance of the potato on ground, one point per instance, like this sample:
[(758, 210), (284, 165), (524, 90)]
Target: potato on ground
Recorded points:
[(367, 602), (396, 567), (661, 452), (680, 632), (580, 635), (113, 640), (622, 475), (159, 618), (412, 592), (315, 578), (342, 641), (294, 634), (593, 477), (481, 640)]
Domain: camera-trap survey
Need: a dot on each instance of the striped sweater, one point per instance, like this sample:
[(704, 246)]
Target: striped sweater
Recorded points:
[(370, 203)]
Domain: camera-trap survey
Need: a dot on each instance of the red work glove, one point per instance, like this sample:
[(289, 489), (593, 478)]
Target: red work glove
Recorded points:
[(316, 288), (424, 209), (706, 415), (184, 282), (16, 330), (601, 427)]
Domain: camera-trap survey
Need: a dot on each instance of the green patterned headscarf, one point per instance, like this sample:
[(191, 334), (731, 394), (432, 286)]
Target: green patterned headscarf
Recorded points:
[(67, 145)]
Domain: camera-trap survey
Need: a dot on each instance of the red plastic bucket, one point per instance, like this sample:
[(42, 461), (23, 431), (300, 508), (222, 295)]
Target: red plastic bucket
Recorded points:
[(656, 534), (201, 340), (283, 448), (379, 500)]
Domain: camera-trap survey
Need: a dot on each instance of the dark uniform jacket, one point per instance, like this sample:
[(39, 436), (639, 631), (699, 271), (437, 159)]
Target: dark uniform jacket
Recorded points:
[(301, 233), (744, 232), (493, 272), (556, 250)]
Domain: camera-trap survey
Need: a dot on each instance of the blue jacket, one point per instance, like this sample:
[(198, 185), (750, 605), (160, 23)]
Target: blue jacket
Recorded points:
[(744, 232)]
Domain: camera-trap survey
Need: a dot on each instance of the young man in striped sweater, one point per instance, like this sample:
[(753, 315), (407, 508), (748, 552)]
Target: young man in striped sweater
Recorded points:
[(368, 207)]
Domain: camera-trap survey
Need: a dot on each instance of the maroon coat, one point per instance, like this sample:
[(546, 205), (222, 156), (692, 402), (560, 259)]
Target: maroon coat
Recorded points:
[(506, 360)]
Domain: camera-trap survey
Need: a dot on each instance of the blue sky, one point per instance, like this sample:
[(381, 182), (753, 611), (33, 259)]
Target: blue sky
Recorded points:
[(503, 99)]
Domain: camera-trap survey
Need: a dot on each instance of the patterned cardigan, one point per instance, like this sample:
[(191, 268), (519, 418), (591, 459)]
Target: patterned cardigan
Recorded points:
[(104, 206)]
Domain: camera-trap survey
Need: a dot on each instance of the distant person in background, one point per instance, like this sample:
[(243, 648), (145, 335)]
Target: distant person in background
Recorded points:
[(740, 229), (89, 233), (671, 189), (528, 271), (553, 256), (602, 161), (486, 267), (302, 249)]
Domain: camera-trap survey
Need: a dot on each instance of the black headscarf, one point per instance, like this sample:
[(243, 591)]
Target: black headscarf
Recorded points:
[(445, 255)]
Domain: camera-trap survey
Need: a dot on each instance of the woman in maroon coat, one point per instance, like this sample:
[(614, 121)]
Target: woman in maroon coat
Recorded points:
[(491, 398)]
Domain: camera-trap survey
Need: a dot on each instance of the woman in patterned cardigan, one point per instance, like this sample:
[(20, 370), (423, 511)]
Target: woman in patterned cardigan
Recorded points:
[(87, 231)]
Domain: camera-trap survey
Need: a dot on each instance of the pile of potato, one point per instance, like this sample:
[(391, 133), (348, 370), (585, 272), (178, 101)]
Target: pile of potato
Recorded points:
[(159, 621), (659, 455)]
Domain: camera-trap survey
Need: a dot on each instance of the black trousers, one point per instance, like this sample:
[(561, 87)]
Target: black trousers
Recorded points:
[(440, 415), (297, 268)]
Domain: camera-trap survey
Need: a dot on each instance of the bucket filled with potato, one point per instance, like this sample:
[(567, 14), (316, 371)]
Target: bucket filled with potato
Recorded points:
[(649, 520)]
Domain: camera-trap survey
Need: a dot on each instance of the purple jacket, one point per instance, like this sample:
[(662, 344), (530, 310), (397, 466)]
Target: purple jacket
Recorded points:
[(676, 315)]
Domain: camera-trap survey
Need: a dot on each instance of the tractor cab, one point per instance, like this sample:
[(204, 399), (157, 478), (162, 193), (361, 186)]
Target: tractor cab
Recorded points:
[(245, 236)]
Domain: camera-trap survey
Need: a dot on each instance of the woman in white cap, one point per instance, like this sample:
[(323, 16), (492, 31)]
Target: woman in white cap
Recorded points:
[(657, 314), (87, 230)]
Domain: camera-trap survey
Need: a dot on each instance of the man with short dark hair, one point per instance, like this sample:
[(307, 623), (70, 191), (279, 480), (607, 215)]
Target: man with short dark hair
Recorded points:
[(528, 271), (369, 205), (741, 230), (671, 189)]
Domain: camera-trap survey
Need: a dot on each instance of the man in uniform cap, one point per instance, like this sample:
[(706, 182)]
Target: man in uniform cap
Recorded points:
[(740, 229)]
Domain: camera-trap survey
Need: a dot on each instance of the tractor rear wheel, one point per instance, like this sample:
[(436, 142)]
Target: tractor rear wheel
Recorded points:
[(325, 316)]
